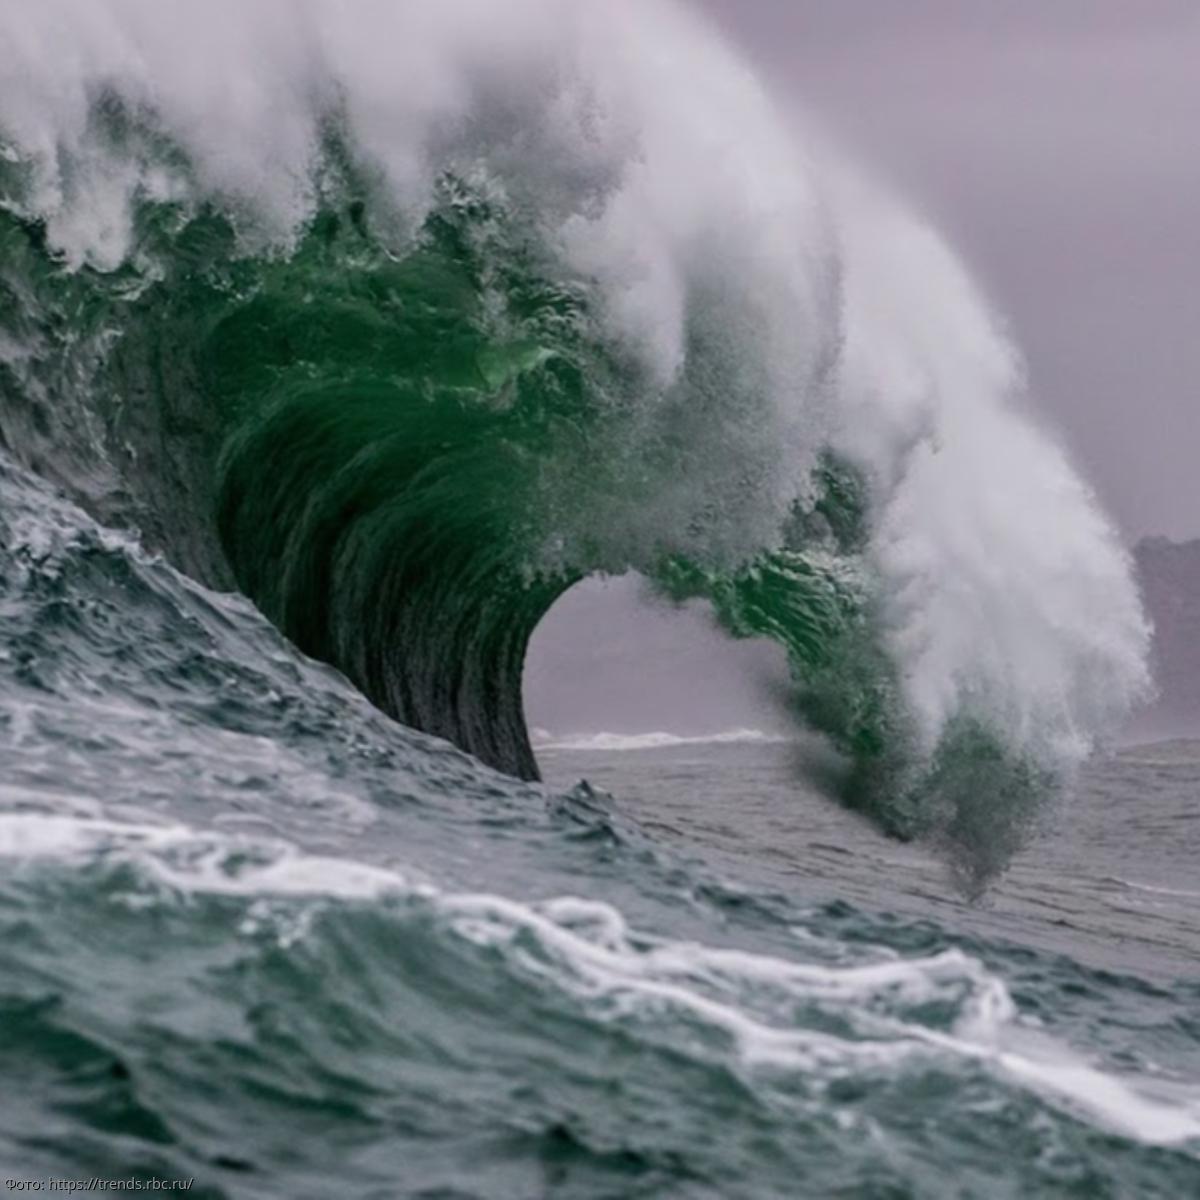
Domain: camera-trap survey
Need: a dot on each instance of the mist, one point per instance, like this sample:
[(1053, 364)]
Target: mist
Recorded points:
[(1057, 149)]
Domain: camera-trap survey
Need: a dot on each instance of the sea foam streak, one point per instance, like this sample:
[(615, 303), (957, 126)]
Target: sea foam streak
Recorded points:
[(238, 902), (464, 302), (792, 1024), (657, 740)]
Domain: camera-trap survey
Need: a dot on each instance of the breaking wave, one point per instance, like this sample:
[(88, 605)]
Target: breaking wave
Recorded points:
[(505, 296)]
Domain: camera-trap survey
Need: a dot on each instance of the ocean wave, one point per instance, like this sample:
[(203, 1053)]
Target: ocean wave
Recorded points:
[(476, 316), (336, 343), (793, 1025), (238, 902)]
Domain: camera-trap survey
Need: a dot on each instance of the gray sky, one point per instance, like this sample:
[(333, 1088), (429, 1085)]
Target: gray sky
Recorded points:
[(1057, 144), (608, 658)]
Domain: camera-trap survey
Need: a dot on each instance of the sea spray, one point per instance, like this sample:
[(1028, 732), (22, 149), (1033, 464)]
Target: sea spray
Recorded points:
[(497, 300)]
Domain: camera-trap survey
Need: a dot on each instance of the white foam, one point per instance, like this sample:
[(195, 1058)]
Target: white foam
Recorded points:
[(662, 172), (754, 1004), (619, 742), (606, 963), (1142, 1109), (1159, 890), (187, 860)]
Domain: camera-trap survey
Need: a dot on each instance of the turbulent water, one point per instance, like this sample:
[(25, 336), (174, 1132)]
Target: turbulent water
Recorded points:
[(336, 345)]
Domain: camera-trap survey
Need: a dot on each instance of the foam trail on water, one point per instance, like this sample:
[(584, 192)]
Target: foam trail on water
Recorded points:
[(802, 1024)]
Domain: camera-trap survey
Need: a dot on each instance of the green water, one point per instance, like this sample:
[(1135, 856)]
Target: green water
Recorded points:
[(258, 935), (284, 910)]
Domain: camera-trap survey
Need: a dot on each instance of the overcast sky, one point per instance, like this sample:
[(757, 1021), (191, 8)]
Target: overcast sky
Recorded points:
[(1057, 143)]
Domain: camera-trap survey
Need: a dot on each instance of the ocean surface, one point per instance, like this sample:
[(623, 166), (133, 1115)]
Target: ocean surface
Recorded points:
[(337, 343), (1110, 876), (258, 935)]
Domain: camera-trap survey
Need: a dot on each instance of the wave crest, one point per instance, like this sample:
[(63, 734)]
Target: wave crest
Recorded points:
[(498, 300)]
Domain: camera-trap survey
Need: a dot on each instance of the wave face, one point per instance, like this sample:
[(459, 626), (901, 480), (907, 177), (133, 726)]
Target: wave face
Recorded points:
[(255, 934), (402, 321)]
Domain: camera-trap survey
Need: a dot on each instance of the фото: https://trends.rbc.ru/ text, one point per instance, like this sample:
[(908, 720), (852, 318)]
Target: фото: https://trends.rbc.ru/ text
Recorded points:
[(68, 1186)]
